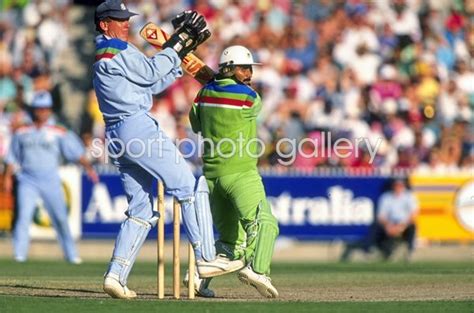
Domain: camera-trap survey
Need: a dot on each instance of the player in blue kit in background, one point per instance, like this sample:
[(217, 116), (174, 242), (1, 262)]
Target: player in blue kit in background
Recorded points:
[(395, 221), (37, 149), (124, 81)]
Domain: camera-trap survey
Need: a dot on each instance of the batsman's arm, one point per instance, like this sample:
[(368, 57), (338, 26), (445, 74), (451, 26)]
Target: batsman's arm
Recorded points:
[(191, 64), (194, 115)]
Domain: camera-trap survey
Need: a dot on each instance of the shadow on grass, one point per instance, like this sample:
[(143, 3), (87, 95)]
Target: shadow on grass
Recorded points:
[(14, 290)]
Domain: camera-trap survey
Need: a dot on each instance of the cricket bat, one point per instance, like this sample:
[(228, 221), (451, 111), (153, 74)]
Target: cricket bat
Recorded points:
[(191, 64)]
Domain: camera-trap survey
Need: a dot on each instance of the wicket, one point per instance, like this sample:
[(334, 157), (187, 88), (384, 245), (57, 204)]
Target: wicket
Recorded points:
[(176, 242)]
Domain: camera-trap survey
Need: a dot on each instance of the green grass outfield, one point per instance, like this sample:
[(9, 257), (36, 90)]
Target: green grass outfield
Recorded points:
[(47, 286)]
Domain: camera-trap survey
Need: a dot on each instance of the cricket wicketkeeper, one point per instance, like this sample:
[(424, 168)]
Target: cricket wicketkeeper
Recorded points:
[(225, 112), (124, 81)]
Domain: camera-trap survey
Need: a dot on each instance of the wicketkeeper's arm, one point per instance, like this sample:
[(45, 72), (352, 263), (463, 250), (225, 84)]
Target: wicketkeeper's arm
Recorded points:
[(191, 64)]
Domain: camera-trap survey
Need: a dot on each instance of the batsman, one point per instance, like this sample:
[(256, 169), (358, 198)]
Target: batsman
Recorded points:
[(224, 112)]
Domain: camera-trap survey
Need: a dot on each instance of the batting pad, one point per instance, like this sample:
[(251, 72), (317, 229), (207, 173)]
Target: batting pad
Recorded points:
[(133, 233), (267, 234), (204, 219)]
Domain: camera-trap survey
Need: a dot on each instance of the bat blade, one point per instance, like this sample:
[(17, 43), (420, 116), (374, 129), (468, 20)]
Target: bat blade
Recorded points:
[(191, 64)]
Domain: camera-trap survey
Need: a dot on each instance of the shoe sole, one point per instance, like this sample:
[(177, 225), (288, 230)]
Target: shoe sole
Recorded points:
[(111, 291), (261, 288), (219, 273)]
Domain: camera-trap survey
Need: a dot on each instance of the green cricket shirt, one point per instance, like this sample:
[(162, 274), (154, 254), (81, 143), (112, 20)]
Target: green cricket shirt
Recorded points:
[(225, 113)]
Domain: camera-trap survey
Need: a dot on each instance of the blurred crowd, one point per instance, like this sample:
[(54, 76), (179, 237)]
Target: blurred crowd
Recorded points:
[(398, 73), (33, 34)]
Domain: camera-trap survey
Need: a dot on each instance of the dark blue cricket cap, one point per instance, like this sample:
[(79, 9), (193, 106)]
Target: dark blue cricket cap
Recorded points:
[(113, 9)]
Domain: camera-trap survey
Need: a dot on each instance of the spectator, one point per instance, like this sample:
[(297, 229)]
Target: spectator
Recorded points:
[(396, 214), (386, 87), (449, 103), (326, 65), (464, 78), (301, 51), (365, 65), (404, 22)]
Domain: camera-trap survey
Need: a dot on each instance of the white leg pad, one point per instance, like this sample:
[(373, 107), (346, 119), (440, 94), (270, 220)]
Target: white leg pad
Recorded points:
[(204, 219)]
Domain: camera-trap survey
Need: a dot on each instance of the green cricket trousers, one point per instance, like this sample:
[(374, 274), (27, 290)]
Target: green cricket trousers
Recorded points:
[(243, 218)]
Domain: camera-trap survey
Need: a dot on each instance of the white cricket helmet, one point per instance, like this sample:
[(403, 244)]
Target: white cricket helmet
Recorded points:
[(236, 55)]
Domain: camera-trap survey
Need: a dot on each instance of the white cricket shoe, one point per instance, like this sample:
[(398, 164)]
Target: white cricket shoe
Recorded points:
[(200, 285), (261, 282), (20, 259), (75, 261), (219, 266), (113, 288)]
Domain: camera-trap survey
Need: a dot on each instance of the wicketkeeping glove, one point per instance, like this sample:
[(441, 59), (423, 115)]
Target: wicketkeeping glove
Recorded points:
[(178, 20), (189, 35)]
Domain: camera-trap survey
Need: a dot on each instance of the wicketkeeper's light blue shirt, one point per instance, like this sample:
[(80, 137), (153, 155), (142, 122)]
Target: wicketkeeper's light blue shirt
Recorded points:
[(125, 79)]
